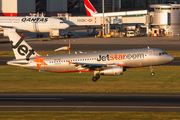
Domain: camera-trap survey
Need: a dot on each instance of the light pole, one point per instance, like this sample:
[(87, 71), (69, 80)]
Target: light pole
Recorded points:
[(119, 5), (103, 18)]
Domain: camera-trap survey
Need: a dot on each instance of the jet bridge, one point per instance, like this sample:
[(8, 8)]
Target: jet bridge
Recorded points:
[(108, 21), (76, 20)]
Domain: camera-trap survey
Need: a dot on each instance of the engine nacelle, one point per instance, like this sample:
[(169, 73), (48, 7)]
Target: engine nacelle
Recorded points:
[(112, 71), (6, 31)]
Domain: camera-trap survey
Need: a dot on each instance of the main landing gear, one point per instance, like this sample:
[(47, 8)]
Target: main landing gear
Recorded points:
[(152, 73), (96, 76)]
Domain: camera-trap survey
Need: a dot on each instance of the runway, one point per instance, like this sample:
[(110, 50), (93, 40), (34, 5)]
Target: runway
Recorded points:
[(89, 102)]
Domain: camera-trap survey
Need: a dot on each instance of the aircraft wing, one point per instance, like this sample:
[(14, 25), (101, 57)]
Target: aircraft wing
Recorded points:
[(92, 66), (5, 27)]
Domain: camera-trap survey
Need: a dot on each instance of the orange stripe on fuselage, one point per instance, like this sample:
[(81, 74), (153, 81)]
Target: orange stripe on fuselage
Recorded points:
[(66, 71)]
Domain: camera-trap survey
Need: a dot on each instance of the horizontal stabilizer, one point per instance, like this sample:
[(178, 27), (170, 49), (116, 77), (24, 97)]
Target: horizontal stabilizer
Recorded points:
[(62, 48), (21, 62)]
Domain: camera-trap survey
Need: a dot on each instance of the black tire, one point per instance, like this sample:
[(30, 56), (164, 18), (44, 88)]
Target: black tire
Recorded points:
[(98, 76), (94, 79), (152, 74)]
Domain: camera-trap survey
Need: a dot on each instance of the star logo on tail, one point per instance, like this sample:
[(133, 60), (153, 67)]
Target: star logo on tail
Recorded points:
[(39, 61)]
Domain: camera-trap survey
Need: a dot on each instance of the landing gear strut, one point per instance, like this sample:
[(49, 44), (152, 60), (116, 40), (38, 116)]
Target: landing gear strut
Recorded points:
[(152, 73), (96, 76)]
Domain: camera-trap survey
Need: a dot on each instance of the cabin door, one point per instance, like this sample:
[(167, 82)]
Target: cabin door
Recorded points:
[(150, 54)]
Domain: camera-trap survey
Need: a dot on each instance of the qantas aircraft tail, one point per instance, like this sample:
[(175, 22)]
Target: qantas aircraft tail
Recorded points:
[(20, 48), (90, 10)]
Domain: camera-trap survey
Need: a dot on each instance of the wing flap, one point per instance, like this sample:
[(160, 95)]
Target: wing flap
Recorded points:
[(90, 66), (94, 66), (6, 27)]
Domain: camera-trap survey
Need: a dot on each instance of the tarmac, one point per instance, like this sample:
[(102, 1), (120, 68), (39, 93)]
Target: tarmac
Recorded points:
[(90, 43), (152, 102), (99, 44), (92, 101)]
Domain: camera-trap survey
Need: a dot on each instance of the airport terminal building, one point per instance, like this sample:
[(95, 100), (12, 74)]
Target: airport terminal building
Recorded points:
[(25, 7), (75, 7), (162, 14), (167, 17)]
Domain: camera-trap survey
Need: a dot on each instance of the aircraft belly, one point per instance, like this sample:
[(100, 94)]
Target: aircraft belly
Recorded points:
[(41, 28), (60, 67), (28, 28), (134, 63), (31, 67), (153, 62), (150, 62)]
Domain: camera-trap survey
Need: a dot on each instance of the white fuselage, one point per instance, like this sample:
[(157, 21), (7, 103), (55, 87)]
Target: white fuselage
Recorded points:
[(32, 24), (125, 58)]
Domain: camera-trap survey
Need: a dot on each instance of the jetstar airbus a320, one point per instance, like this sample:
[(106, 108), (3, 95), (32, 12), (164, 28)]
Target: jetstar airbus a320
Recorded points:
[(101, 63)]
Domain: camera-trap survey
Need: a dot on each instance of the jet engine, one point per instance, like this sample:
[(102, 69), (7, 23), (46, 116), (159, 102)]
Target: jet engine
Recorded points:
[(112, 71), (6, 31)]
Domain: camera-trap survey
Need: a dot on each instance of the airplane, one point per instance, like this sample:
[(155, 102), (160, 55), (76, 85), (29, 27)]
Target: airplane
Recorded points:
[(110, 63), (91, 11), (30, 24), (72, 3)]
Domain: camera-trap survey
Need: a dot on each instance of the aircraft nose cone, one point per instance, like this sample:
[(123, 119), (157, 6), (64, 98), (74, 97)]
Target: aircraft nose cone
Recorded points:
[(67, 25), (171, 58)]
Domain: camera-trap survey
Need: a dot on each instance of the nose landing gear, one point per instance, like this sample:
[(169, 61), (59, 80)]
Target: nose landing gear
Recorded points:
[(152, 73)]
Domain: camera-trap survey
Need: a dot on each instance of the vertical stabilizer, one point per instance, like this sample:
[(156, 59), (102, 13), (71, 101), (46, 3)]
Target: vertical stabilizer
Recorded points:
[(90, 10), (20, 48)]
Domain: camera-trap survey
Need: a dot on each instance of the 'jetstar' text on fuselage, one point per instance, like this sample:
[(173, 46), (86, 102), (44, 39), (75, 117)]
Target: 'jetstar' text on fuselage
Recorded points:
[(119, 57)]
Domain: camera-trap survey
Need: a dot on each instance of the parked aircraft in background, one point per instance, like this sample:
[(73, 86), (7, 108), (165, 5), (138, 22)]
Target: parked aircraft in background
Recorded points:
[(72, 3), (101, 63), (91, 11), (30, 24)]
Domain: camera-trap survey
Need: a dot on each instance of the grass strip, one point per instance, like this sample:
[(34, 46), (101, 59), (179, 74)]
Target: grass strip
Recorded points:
[(89, 115), (134, 80), (11, 54)]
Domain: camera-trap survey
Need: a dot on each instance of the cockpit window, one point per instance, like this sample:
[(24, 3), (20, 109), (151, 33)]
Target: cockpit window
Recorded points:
[(162, 53), (61, 22)]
